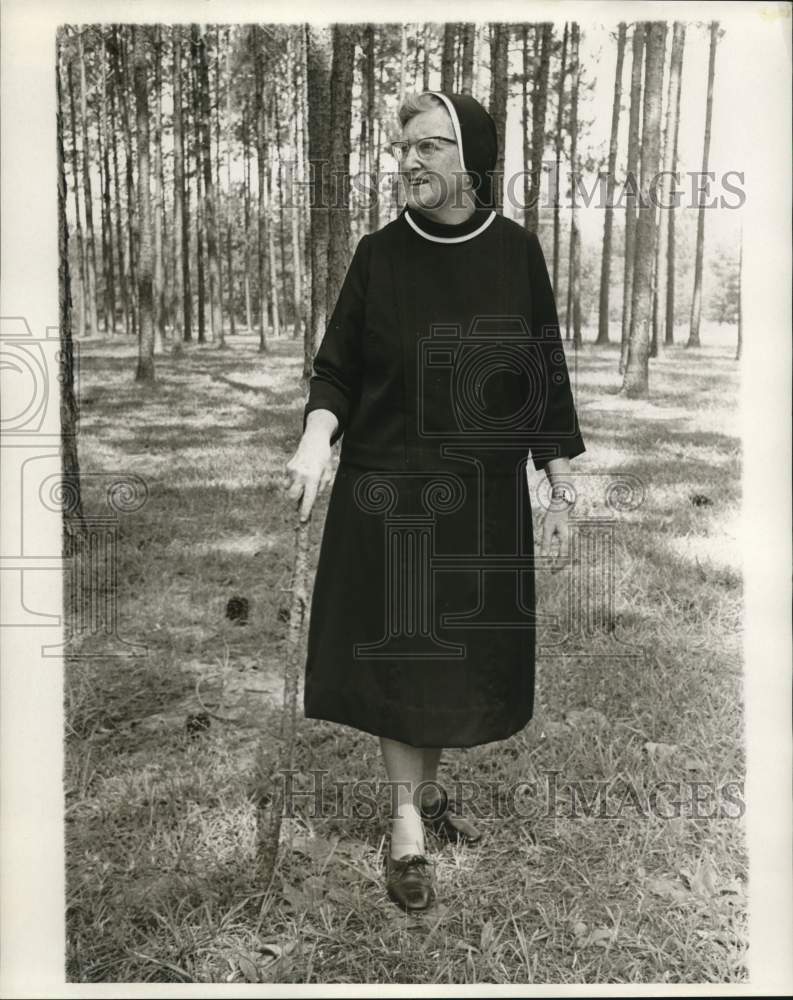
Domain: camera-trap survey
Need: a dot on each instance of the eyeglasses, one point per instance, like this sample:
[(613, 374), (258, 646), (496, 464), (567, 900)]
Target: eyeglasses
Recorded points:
[(426, 148)]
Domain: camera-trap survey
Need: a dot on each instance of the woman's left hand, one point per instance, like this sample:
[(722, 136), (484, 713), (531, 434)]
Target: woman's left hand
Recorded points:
[(554, 524)]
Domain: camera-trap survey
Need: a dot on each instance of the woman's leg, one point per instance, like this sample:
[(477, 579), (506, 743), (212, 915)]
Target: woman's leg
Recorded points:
[(404, 766), (430, 792)]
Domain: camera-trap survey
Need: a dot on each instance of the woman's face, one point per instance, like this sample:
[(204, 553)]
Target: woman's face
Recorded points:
[(431, 183)]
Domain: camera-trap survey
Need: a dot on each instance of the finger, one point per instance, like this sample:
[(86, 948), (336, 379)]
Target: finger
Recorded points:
[(309, 497), (296, 489)]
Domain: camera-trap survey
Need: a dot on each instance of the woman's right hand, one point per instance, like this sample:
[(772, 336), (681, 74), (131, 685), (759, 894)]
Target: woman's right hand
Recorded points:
[(309, 470)]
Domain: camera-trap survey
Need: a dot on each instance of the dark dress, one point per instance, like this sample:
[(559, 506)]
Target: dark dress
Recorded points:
[(444, 366)]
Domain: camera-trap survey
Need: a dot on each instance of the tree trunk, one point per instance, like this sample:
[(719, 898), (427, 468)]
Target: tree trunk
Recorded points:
[(677, 69), (403, 55), (229, 213), (159, 278), (696, 301), (319, 52), (182, 313), (447, 57), (78, 220), (198, 170), (90, 241), (145, 372), (132, 219), (210, 200), (70, 465), (608, 221), (636, 382), (469, 38), (261, 168), (631, 188), (108, 266), (370, 113), (246, 207), (425, 71), (293, 41), (339, 159), (272, 156), (665, 213), (123, 254), (573, 311), (277, 175), (539, 110), (499, 43), (559, 146)]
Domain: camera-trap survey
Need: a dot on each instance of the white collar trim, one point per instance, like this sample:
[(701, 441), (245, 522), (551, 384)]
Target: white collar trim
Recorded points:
[(450, 239)]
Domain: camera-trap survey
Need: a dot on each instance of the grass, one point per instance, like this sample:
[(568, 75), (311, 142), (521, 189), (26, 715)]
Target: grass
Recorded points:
[(162, 823)]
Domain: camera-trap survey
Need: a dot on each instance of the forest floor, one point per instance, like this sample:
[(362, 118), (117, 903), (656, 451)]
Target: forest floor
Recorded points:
[(619, 855)]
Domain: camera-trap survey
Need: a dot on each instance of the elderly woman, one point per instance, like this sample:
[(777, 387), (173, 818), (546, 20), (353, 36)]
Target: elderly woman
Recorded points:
[(443, 367)]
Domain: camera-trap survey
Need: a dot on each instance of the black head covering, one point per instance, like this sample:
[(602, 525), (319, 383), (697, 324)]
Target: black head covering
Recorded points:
[(477, 141)]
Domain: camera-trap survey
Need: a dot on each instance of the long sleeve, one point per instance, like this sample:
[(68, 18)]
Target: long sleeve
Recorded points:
[(558, 434), (335, 382)]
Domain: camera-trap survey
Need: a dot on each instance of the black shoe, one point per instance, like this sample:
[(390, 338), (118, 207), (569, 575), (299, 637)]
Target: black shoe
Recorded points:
[(446, 823), (409, 881)]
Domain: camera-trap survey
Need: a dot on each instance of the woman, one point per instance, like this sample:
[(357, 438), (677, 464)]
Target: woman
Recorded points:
[(442, 366)]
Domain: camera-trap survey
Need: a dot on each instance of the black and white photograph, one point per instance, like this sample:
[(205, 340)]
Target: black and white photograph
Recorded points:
[(396, 523)]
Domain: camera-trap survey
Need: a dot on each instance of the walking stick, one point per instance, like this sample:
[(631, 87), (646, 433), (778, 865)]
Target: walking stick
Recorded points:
[(270, 827)]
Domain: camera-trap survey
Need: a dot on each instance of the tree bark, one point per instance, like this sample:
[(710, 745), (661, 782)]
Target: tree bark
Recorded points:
[(539, 110), (90, 240), (108, 265), (319, 52), (339, 157), (574, 280), (77, 214), (636, 379), (499, 47), (558, 147), (272, 157), (677, 68), (293, 42), (469, 38), (631, 186), (122, 249), (369, 51), (696, 301), (70, 465), (198, 170), (261, 168), (246, 155), (229, 214), (447, 56), (145, 372), (210, 200), (665, 214), (132, 219), (526, 119), (425, 70), (608, 221), (159, 277), (182, 313)]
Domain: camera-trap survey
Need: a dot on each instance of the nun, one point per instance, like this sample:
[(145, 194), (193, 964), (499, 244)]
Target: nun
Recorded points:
[(442, 370)]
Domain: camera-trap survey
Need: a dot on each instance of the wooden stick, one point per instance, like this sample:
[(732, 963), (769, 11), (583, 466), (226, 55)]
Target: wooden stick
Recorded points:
[(270, 826)]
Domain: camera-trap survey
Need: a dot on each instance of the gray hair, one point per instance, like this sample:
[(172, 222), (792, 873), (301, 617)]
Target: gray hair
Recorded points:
[(415, 103)]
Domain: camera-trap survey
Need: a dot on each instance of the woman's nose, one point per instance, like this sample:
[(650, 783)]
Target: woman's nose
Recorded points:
[(411, 160)]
